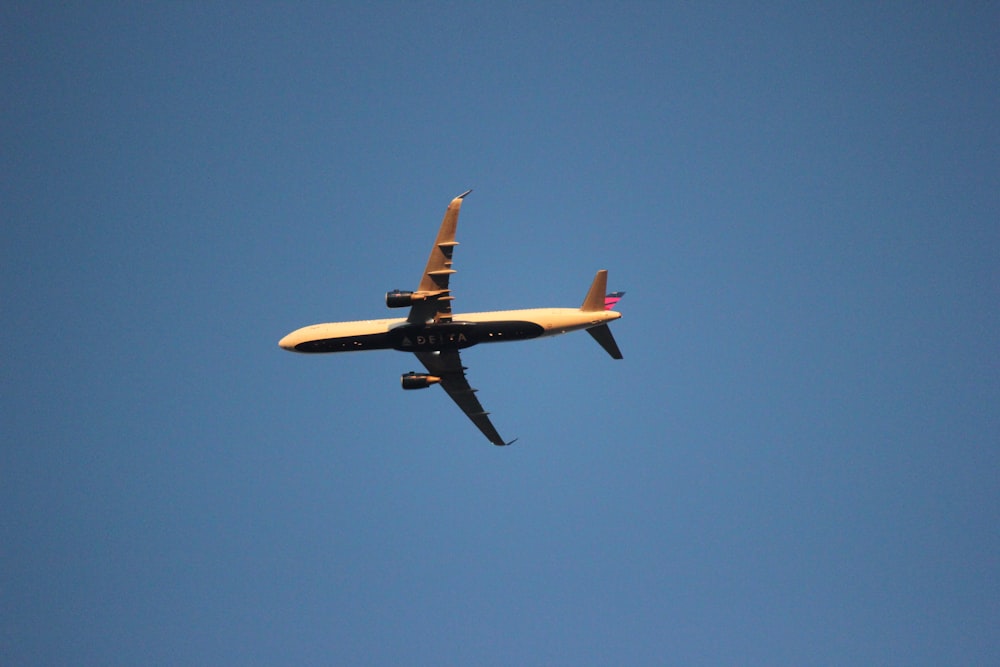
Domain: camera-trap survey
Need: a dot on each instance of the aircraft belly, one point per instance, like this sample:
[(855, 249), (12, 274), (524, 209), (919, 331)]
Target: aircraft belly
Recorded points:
[(498, 332), (459, 335), (552, 321), (357, 343)]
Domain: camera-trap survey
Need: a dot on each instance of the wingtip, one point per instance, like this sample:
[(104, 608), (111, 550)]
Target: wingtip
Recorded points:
[(464, 194)]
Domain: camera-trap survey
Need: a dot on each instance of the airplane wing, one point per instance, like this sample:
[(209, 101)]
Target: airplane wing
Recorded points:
[(447, 365), (436, 302), (436, 305)]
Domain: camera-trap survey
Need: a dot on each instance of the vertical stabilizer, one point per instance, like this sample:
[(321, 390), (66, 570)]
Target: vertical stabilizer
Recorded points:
[(595, 297), (612, 299)]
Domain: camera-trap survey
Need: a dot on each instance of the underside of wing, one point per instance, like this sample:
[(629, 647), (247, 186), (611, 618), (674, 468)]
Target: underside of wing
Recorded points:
[(435, 297), (447, 365)]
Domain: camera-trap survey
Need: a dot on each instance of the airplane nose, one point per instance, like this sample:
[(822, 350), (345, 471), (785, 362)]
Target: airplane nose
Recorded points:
[(287, 343)]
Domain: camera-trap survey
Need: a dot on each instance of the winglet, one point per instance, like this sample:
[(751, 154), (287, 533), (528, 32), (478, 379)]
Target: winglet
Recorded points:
[(595, 297)]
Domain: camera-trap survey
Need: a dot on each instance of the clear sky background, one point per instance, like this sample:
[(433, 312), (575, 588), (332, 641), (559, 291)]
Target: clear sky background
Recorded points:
[(796, 463)]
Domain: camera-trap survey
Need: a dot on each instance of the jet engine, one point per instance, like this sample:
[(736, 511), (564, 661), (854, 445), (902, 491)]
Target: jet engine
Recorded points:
[(398, 299), (413, 380)]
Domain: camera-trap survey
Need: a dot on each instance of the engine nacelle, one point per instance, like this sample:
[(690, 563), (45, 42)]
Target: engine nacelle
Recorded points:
[(398, 299), (413, 380)]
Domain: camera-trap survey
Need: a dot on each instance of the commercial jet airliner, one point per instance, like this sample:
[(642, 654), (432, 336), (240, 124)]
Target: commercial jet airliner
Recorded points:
[(436, 335)]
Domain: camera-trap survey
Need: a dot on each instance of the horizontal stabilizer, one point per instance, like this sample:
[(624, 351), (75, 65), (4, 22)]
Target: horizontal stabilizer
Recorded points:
[(595, 297), (602, 334)]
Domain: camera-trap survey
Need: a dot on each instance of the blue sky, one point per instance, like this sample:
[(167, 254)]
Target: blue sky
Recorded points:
[(796, 462)]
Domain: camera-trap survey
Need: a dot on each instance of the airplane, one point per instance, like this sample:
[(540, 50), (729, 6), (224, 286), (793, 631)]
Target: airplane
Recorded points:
[(436, 335)]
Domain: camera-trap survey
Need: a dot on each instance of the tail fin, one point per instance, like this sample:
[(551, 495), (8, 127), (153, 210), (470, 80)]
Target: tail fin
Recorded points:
[(611, 299), (596, 301)]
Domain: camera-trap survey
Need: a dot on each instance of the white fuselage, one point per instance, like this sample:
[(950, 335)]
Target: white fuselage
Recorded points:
[(464, 330)]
